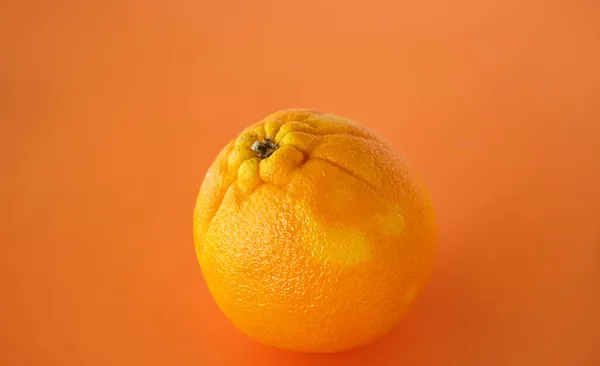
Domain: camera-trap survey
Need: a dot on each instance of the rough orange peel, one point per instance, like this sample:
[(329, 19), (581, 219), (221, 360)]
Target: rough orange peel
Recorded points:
[(312, 234)]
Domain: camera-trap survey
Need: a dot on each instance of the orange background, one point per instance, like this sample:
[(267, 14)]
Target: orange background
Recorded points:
[(111, 112)]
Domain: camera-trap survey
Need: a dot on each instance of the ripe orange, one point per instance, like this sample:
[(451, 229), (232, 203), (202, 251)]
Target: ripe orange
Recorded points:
[(312, 234)]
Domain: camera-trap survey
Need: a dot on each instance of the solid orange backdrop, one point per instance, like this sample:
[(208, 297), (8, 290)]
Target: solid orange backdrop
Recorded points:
[(111, 112)]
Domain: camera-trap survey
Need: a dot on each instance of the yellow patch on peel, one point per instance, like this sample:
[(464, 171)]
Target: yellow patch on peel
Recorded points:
[(340, 245), (392, 222), (343, 246)]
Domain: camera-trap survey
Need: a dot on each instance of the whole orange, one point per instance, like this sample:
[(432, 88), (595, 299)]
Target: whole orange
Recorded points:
[(312, 234)]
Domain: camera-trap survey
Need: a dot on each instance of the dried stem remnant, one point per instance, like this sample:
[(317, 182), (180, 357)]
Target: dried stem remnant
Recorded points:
[(264, 148)]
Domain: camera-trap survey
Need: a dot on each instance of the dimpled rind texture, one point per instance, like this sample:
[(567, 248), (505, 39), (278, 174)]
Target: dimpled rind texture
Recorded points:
[(321, 246)]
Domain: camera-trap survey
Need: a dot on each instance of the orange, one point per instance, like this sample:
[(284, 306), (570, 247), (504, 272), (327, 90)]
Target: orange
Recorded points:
[(312, 234)]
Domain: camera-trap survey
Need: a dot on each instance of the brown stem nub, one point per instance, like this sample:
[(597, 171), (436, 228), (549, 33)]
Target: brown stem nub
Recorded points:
[(264, 148)]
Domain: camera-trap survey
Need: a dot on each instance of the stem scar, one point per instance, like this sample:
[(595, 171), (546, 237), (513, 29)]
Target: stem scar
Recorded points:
[(264, 148)]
